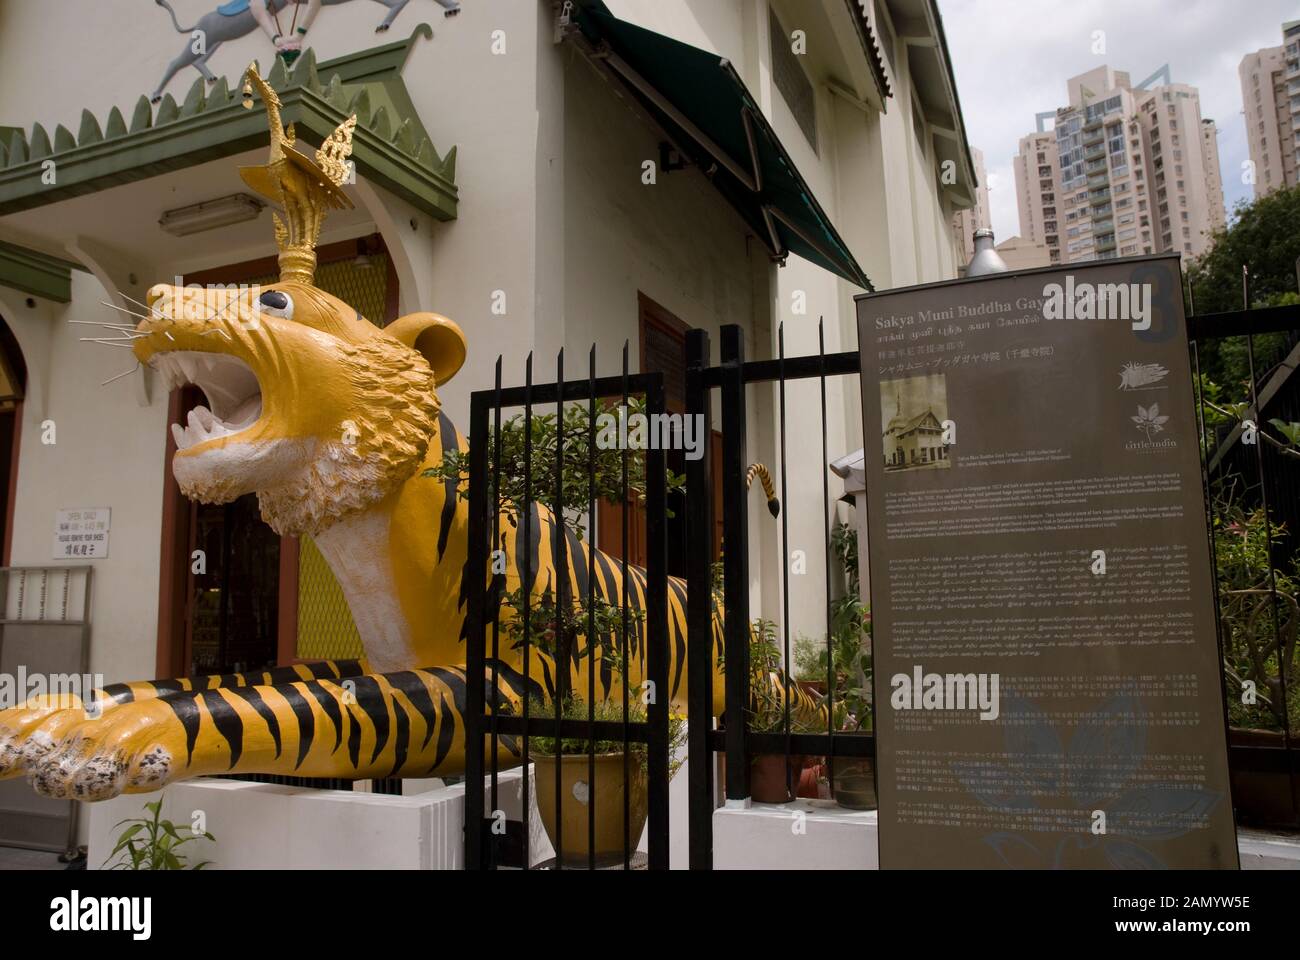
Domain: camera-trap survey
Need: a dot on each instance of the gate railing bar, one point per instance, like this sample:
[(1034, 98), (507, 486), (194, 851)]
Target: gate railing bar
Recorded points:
[(855, 745), (829, 558), (625, 510), (476, 570), (786, 666), (591, 610), (735, 538), (656, 636), (1236, 323), (559, 560), (699, 609), (529, 573), (498, 583), (796, 368)]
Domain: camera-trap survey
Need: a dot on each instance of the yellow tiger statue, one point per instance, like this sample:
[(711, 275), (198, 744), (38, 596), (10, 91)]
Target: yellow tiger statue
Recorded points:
[(330, 421)]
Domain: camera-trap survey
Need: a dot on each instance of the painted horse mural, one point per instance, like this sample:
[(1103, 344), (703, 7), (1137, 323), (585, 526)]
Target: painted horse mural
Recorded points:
[(238, 18)]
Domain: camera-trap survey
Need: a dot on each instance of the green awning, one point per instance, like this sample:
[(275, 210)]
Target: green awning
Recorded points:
[(702, 104)]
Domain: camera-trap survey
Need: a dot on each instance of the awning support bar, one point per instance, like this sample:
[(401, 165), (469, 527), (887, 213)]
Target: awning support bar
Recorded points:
[(654, 96)]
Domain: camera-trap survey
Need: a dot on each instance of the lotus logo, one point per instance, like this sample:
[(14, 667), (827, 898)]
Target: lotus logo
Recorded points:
[(1135, 375), (1149, 420)]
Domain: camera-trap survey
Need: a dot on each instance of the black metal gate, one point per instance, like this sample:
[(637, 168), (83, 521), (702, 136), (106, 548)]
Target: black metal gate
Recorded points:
[(573, 582), (739, 743)]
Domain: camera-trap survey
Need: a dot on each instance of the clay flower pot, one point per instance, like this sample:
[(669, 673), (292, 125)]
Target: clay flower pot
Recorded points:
[(575, 804), (767, 778)]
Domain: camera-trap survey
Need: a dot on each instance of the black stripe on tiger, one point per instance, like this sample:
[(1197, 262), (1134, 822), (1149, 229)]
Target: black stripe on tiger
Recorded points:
[(677, 630), (187, 712), (447, 434), (227, 722), (254, 699), (402, 736), (371, 701), (119, 692), (303, 713), (412, 687), (331, 708), (446, 733)]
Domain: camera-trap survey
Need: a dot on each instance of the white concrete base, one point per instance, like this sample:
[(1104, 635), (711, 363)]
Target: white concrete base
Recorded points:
[(1268, 851), (261, 826), (803, 835), (818, 835)]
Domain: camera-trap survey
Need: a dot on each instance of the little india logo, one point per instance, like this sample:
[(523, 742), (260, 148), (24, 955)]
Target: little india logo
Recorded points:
[(74, 913), (1098, 301), (946, 691), (1150, 420)]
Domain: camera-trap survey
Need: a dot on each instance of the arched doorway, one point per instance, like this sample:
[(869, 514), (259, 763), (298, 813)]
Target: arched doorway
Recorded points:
[(13, 387)]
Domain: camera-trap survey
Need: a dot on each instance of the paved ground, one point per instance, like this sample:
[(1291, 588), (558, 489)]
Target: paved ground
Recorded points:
[(15, 858)]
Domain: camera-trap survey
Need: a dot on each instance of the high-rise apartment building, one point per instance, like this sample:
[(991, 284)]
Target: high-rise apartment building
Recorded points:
[(1038, 185), (1123, 171), (1272, 110), (966, 222)]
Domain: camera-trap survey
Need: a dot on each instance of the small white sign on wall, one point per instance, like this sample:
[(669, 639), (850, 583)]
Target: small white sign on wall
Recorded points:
[(82, 534)]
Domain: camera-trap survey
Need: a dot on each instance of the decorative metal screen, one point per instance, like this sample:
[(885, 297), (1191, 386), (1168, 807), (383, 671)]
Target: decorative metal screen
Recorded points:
[(325, 627)]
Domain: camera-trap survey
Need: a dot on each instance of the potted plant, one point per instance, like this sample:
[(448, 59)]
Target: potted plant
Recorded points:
[(774, 777)]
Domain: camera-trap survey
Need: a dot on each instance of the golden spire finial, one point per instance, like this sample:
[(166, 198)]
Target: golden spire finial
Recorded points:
[(305, 189)]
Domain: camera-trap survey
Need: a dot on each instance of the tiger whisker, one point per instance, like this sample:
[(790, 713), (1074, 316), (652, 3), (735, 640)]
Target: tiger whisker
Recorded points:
[(121, 375), (132, 313)]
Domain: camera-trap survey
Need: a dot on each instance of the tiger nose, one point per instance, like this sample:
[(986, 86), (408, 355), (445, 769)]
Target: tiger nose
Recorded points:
[(156, 293)]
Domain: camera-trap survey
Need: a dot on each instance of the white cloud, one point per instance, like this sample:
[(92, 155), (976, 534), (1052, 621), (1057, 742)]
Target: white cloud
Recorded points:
[(1012, 58)]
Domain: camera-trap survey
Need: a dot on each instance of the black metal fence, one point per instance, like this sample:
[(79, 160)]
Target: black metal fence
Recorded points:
[(516, 664), (1252, 485), (1264, 758)]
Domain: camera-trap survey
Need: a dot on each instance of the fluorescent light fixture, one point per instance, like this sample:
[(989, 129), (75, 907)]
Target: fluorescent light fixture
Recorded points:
[(210, 214)]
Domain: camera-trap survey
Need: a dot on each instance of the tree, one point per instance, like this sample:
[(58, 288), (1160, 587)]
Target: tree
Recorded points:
[(1265, 236)]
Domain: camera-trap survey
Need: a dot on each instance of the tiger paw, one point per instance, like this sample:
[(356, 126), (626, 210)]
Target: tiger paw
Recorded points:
[(29, 732), (99, 759)]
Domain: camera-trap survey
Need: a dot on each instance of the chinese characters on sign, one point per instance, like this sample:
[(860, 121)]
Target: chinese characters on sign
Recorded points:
[(81, 534), (1046, 679)]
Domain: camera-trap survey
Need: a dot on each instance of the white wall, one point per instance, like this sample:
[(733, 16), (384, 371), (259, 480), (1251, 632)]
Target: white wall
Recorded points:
[(108, 452)]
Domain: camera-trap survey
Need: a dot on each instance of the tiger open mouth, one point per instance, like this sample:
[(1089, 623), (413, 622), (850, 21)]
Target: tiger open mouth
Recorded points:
[(231, 387)]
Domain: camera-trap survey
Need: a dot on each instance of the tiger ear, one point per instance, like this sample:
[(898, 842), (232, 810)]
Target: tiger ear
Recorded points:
[(438, 339)]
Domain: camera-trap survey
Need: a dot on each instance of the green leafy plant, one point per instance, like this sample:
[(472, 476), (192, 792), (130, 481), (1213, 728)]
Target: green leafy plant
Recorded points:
[(1254, 650), (152, 843), (574, 483), (848, 644)]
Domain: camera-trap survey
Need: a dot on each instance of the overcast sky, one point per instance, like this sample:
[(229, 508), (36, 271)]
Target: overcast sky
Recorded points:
[(1012, 58)]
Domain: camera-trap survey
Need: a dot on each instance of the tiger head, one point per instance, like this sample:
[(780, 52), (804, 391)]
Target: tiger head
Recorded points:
[(310, 406)]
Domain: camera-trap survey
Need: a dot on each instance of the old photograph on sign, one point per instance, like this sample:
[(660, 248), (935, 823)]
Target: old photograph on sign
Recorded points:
[(912, 415)]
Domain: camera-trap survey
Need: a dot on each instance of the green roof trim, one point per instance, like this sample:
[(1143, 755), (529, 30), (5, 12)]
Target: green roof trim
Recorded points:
[(390, 145), (36, 273)]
